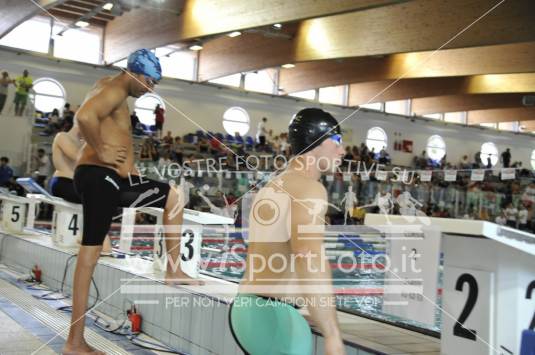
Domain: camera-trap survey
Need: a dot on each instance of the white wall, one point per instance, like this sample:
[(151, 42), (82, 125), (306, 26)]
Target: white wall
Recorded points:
[(192, 106), (15, 140)]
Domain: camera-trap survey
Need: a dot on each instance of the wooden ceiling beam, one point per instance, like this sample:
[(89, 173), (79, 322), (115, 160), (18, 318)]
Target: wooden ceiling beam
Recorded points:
[(74, 17), (410, 27), (102, 15), (204, 18), (456, 103), (14, 12), (389, 90), (501, 115), (498, 59), (80, 13)]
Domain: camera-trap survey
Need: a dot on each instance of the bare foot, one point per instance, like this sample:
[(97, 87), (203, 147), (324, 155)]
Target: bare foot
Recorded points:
[(82, 349), (180, 278)]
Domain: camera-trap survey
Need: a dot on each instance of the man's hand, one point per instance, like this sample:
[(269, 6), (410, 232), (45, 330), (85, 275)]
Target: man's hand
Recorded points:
[(334, 346), (113, 155)]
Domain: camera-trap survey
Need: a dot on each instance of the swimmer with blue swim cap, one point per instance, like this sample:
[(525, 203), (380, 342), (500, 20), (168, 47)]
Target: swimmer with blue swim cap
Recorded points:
[(145, 62), (105, 179), (145, 67)]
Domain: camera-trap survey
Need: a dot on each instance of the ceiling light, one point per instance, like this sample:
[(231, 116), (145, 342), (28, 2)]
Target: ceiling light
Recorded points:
[(234, 34), (277, 25), (195, 47), (107, 6), (81, 24), (288, 66)]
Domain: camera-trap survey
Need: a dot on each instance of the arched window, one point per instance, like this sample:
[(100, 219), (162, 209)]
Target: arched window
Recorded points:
[(376, 139), (236, 119), (436, 147), (49, 94), (145, 106), (489, 150)]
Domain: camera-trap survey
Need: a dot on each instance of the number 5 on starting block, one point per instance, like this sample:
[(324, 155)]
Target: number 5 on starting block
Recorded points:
[(13, 216)]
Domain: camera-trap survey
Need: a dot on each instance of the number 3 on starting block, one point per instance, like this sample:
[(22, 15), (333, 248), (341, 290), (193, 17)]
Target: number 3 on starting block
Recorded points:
[(13, 216), (190, 249)]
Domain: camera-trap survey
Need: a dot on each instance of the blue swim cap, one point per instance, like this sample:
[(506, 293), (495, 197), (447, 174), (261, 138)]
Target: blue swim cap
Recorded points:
[(145, 62)]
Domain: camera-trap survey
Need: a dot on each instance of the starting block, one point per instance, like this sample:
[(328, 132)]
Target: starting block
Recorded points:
[(18, 213), (488, 289), (190, 241), (67, 220)]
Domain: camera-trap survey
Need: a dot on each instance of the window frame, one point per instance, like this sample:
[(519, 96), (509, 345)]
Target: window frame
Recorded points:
[(34, 93), (246, 115)]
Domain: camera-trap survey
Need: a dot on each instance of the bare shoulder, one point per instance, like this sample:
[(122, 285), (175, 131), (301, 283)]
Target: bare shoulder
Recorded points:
[(59, 138), (299, 187)]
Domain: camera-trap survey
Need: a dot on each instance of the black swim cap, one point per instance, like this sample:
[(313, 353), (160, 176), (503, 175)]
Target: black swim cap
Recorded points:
[(309, 128)]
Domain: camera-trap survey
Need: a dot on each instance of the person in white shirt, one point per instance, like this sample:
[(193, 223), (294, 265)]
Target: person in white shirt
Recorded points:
[(501, 219), (523, 218), (511, 215), (261, 133), (529, 193)]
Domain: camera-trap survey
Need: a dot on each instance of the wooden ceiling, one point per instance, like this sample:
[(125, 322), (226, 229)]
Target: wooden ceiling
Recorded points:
[(447, 55)]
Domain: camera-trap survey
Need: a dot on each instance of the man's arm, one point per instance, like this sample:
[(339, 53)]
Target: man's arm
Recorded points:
[(314, 271), (89, 117)]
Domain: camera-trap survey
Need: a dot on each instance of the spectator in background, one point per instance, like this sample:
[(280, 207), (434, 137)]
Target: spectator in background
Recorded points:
[(135, 124), (477, 160), (23, 83), (523, 218), (215, 146), (511, 215), (261, 133), (384, 157), (363, 150), (6, 173), (202, 145), (176, 150), (4, 85), (501, 219), (347, 157), (43, 165), (528, 196), (159, 119), (506, 158), (489, 162), (371, 154), (168, 138), (54, 124), (68, 117), (464, 163), (284, 145), (148, 151)]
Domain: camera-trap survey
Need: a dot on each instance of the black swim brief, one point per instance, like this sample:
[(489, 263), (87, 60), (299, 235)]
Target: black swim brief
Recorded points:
[(64, 187), (102, 191)]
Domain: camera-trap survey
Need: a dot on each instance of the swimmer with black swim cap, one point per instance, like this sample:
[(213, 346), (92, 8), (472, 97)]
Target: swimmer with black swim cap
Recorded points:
[(285, 262), (106, 178)]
